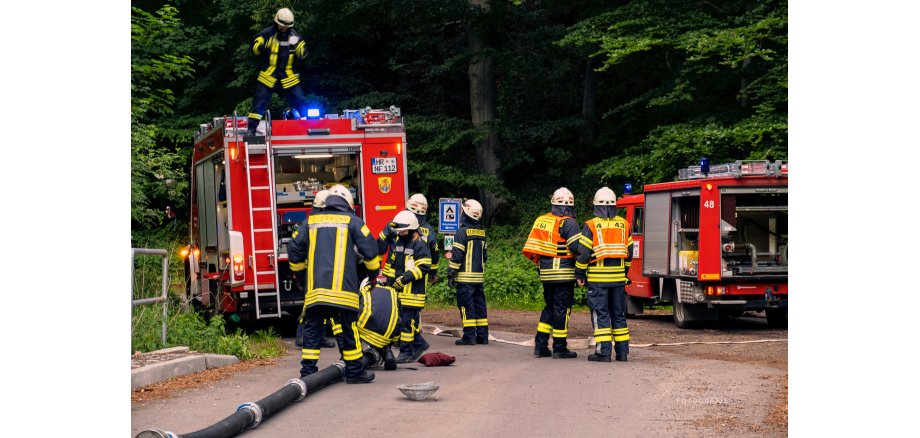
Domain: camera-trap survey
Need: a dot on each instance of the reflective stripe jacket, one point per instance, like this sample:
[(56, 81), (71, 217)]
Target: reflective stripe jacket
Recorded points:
[(277, 51), (329, 245), (411, 261), (605, 251), (387, 239), (379, 316), (468, 254), (552, 245)]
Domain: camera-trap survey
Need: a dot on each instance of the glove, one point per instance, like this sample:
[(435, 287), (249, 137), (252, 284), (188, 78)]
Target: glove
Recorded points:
[(300, 280), (398, 284)]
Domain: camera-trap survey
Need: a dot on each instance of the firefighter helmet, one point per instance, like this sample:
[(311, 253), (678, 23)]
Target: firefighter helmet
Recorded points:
[(284, 17), (417, 204), (472, 208), (605, 196), (563, 196), (341, 191), (404, 220), (320, 200)]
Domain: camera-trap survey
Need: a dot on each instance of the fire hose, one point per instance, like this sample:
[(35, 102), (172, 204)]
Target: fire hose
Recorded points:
[(248, 415)]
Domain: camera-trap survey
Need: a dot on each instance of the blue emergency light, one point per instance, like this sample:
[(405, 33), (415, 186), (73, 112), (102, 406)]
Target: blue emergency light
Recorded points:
[(627, 189), (312, 113), (704, 166)]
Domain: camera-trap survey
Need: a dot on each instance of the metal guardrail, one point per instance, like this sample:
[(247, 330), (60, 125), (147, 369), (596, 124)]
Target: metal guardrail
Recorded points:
[(163, 297)]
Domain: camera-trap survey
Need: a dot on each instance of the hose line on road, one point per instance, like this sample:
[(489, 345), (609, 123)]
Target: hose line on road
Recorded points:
[(249, 415)]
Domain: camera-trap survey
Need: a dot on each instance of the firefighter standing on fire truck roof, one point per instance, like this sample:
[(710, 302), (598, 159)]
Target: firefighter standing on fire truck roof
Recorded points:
[(552, 245), (407, 266), (419, 205), (606, 253), (277, 46), (466, 268), (329, 248)]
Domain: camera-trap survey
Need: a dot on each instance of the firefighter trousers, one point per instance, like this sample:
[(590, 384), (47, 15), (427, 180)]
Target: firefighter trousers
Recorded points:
[(410, 336), (314, 334), (608, 316), (263, 95), (471, 299), (554, 320)]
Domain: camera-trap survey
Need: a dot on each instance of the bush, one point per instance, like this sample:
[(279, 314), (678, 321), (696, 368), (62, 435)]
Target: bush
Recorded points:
[(186, 328)]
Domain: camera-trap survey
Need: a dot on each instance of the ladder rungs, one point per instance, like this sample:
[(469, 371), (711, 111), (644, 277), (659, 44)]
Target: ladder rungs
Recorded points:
[(263, 166), (262, 230), (267, 294), (265, 272), (262, 209), (260, 188), (265, 251)]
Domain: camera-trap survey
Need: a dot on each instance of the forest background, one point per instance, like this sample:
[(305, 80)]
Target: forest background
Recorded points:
[(504, 101)]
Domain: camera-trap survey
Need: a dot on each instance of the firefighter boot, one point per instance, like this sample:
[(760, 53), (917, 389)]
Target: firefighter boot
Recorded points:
[(404, 357), (329, 343), (366, 376), (465, 341), (540, 348), (564, 354), (419, 350), (601, 353), (389, 361), (622, 350)]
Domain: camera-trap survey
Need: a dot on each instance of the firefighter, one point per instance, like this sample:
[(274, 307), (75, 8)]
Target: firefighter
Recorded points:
[(418, 205), (407, 265), (605, 254), (329, 247), (277, 46), (552, 245), (319, 203), (467, 265), (379, 323)]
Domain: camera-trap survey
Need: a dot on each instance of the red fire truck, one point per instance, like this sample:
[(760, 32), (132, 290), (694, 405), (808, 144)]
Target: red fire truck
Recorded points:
[(248, 195), (713, 244)]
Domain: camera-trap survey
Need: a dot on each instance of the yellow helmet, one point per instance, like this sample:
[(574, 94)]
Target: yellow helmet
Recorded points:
[(284, 17)]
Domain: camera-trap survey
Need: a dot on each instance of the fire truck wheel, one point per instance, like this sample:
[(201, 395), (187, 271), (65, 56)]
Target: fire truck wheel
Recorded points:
[(683, 316), (778, 318)]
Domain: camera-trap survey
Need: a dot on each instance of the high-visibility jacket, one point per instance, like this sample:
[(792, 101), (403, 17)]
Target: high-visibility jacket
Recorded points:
[(328, 246), (378, 317), (387, 239), (468, 253), (605, 251), (277, 50), (410, 260), (552, 245)]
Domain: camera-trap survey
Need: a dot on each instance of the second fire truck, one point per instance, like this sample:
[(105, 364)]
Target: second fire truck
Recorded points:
[(713, 243), (248, 195)]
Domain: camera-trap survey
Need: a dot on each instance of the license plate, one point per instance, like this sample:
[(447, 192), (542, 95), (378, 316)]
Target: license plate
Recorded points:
[(383, 165)]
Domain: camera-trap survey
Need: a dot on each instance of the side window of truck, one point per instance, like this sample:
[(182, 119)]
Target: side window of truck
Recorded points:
[(637, 220)]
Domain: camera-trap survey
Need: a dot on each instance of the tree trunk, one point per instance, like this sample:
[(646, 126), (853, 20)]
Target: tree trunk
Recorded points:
[(589, 104), (483, 108)]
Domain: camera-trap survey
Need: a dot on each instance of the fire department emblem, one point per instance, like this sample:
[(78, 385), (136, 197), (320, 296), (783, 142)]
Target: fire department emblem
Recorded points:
[(385, 183)]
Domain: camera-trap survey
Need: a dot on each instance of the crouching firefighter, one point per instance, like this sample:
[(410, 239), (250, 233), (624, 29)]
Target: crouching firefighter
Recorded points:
[(407, 265), (378, 321), (331, 244), (466, 270), (605, 254)]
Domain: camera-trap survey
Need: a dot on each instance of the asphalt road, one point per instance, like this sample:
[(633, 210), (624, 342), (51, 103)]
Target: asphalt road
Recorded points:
[(498, 389)]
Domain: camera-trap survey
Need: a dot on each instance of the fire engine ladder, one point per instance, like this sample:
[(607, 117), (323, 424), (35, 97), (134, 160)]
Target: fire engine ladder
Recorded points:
[(263, 223)]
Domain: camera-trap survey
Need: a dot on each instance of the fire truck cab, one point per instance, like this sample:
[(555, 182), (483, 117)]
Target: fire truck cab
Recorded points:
[(712, 244), (250, 194)]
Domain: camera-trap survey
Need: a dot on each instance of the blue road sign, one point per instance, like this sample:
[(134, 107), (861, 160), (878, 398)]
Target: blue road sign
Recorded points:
[(449, 215)]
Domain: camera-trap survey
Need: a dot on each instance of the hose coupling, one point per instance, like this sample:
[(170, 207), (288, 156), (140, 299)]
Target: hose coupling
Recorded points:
[(156, 433), (256, 413), (300, 385)]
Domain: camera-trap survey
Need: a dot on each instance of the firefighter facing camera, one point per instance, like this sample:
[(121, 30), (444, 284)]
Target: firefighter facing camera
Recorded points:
[(277, 46), (604, 257), (408, 264), (552, 245), (465, 273)]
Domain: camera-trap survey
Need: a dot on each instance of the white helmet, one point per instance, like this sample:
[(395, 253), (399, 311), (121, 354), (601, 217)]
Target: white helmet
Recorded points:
[(320, 200), (284, 17), (404, 220), (417, 204), (472, 208), (605, 196), (563, 196), (340, 190)]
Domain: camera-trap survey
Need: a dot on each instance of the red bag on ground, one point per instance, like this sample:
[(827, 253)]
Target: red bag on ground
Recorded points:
[(436, 359)]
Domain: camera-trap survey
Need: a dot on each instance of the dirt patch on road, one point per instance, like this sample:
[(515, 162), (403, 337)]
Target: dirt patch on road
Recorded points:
[(164, 390)]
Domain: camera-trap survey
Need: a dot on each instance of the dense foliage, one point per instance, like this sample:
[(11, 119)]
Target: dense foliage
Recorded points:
[(587, 93)]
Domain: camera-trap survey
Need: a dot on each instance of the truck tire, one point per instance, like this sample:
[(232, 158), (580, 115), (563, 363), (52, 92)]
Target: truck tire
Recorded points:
[(778, 318), (684, 316)]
